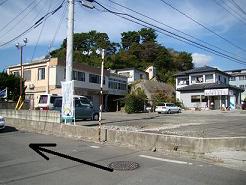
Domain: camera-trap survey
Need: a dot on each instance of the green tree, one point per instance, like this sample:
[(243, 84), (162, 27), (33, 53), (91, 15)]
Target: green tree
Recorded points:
[(13, 85), (134, 102)]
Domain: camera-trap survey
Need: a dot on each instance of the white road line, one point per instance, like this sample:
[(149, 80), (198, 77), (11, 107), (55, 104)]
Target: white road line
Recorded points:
[(95, 146), (165, 160)]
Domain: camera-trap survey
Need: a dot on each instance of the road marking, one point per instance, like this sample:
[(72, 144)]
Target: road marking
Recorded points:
[(165, 160), (95, 146)]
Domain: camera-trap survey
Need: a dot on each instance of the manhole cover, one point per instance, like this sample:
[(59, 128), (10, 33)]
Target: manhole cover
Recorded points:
[(123, 165)]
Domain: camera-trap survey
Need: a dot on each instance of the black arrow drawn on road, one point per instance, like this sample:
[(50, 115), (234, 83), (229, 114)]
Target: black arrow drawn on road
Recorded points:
[(38, 147)]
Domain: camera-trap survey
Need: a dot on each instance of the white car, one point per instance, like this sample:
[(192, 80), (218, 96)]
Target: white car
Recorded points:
[(167, 108), (2, 123)]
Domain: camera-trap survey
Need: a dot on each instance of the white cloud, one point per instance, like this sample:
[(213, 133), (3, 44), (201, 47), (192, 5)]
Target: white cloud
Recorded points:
[(201, 59)]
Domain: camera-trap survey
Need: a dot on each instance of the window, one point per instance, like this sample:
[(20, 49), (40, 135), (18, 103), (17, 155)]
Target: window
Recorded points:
[(141, 76), (233, 78), (27, 75), (16, 73), (242, 77), (81, 76), (75, 75), (95, 79), (242, 87), (43, 99), (195, 98), (219, 77), (121, 86), (183, 81), (41, 73), (209, 78), (224, 80), (126, 74), (204, 98), (197, 79), (113, 85)]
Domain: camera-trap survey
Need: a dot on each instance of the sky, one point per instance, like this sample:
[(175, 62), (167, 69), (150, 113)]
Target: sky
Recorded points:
[(19, 15)]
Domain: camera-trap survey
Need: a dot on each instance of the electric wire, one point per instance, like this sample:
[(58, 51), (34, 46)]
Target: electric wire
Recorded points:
[(13, 19), (35, 25), (208, 29), (233, 12), (57, 29), (212, 45), (41, 30), (238, 7), (174, 35), (3, 2), (7, 32)]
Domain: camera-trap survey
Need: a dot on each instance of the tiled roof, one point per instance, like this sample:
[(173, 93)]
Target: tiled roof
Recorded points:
[(208, 86), (200, 70)]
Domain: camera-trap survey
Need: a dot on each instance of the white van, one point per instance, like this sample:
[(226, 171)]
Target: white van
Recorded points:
[(46, 101)]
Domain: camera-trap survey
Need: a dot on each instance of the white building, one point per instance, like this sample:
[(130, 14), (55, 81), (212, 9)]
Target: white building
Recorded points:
[(133, 74), (238, 78), (45, 76), (206, 87)]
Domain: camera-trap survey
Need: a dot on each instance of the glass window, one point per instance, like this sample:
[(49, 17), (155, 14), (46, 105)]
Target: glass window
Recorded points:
[(41, 73), (233, 78), (95, 79), (43, 99), (204, 98), (27, 75), (209, 78), (75, 75), (141, 76), (195, 98), (121, 86), (16, 73), (84, 101), (242, 77), (81, 76)]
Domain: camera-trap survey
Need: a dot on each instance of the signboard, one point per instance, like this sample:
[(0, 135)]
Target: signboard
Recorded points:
[(67, 100), (216, 92), (3, 93)]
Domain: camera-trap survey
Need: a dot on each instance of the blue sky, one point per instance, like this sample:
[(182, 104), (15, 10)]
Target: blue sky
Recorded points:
[(206, 12)]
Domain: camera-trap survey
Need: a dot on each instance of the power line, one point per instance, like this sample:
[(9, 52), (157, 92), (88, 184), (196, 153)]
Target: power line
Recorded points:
[(208, 29), (21, 12), (35, 25), (173, 35), (238, 7), (231, 11), (57, 29), (3, 2), (34, 50), (20, 21), (122, 6)]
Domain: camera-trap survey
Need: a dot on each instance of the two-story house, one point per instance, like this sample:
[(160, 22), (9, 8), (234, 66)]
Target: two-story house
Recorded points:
[(238, 78), (206, 87), (134, 74), (45, 76)]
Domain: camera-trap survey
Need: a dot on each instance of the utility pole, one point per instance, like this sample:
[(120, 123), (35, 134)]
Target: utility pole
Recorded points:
[(101, 98), (20, 46), (70, 30)]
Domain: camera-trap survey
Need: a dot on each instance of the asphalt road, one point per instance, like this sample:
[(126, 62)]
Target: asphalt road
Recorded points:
[(20, 165)]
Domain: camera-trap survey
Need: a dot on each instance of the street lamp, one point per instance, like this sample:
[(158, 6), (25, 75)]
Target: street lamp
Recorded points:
[(20, 46)]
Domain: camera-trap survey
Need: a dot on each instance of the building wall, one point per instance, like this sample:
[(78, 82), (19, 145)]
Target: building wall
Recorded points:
[(239, 83), (133, 75), (186, 99)]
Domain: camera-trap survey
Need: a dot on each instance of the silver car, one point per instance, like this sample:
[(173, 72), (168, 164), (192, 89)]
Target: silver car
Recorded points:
[(2, 122), (167, 108)]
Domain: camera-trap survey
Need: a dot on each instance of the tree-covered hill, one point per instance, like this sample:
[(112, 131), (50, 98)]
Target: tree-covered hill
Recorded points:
[(137, 49)]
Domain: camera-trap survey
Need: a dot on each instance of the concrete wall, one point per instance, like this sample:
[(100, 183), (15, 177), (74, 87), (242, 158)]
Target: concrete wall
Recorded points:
[(32, 115), (45, 123)]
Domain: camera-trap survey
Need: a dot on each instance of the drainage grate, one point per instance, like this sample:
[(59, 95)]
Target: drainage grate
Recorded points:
[(123, 165)]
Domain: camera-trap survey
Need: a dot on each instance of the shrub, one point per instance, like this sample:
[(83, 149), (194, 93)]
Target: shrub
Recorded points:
[(135, 102)]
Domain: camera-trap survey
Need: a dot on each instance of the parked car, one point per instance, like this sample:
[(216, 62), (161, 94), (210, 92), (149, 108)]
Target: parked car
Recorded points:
[(167, 108), (244, 105), (2, 122), (46, 101), (84, 109)]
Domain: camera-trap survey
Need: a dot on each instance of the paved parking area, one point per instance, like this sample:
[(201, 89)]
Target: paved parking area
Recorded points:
[(188, 123)]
